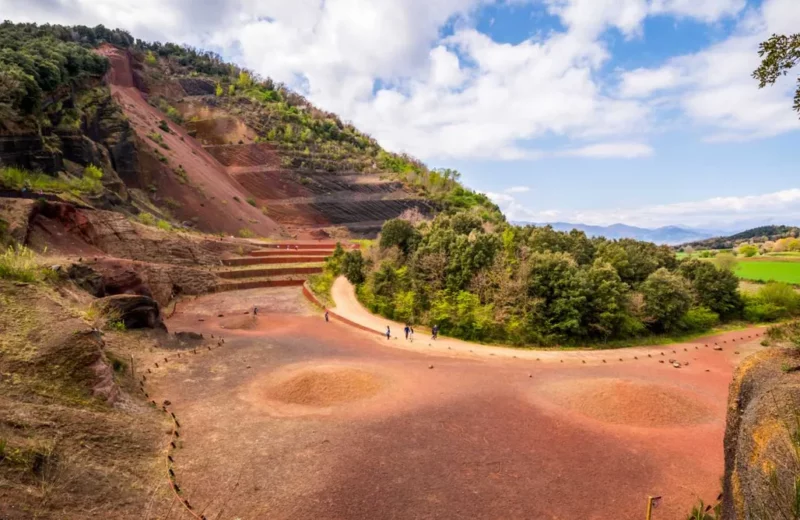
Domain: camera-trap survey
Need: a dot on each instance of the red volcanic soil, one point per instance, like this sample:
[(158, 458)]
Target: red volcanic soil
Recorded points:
[(298, 418), (209, 191)]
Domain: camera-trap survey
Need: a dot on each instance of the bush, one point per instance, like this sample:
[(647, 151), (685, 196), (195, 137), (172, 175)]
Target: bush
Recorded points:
[(353, 267), (321, 285), (146, 218), (698, 319), (252, 201), (164, 225), (246, 233), (781, 295)]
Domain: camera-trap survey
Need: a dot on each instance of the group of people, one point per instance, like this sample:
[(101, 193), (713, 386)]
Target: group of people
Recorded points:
[(409, 330)]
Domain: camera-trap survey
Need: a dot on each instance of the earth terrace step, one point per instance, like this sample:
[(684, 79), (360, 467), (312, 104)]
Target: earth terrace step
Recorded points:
[(300, 245), (274, 259), (257, 273), (279, 252), (259, 284)]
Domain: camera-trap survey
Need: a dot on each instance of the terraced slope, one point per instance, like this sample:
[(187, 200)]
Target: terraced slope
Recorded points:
[(302, 190)]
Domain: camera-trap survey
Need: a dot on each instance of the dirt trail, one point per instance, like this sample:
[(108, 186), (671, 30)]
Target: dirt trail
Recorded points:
[(471, 437), (735, 345)]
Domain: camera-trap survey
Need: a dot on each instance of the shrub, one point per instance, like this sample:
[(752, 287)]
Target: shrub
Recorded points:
[(698, 319), (251, 201), (163, 225), (246, 233), (756, 310), (164, 126), (146, 218), (781, 295)]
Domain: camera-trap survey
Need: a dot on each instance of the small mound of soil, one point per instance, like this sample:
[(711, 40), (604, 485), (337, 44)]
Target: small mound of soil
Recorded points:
[(326, 386), (248, 322), (634, 403)]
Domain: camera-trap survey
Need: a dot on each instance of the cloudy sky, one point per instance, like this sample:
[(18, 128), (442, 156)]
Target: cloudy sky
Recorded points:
[(594, 111)]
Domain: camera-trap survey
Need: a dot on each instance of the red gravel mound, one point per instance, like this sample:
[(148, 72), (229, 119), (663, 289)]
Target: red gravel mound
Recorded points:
[(325, 386), (629, 402)]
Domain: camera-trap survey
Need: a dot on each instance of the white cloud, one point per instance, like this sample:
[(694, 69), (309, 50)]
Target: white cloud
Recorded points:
[(705, 10), (643, 82), (714, 88), (627, 150), (467, 95), (722, 212), (518, 189)]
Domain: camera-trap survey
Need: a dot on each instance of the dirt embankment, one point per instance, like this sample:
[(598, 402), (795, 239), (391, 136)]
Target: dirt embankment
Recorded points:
[(77, 441), (174, 167), (761, 438)]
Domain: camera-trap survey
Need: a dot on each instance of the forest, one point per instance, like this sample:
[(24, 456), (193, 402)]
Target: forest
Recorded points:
[(487, 280)]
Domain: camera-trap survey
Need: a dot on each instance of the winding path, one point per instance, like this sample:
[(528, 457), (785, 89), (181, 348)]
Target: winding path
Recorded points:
[(347, 305)]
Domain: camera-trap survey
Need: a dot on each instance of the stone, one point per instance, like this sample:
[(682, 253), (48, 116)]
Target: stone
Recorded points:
[(676, 365), (135, 311), (87, 279)]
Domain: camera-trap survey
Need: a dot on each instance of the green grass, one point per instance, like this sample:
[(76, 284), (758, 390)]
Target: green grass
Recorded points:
[(20, 264), (765, 271), (17, 179)]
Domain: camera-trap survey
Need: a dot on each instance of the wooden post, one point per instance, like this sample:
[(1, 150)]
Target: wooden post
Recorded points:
[(651, 503)]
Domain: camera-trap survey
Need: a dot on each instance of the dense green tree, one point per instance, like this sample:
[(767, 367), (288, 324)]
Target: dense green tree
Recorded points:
[(399, 233), (606, 298), (714, 288), (559, 299), (353, 265), (667, 297)]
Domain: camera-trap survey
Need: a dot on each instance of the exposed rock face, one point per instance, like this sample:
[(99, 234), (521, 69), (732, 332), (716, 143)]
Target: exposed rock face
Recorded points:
[(762, 466), (28, 151), (15, 216), (135, 311), (88, 279)]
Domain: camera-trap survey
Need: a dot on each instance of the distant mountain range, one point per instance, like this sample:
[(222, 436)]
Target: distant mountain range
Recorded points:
[(670, 235)]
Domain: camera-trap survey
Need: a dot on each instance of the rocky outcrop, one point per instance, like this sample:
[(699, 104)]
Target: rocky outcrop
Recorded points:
[(15, 216), (29, 151), (162, 282), (762, 447), (135, 311)]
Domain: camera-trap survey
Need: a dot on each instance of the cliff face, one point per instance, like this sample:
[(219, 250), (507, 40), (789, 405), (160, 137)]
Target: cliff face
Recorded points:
[(762, 439)]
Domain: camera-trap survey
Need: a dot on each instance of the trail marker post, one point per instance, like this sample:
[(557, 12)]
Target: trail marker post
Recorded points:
[(652, 503)]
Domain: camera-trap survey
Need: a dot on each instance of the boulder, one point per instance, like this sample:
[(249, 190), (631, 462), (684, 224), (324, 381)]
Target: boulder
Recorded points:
[(88, 279), (135, 311), (762, 438)]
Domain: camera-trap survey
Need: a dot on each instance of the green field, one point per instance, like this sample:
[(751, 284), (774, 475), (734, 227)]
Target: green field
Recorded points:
[(765, 271)]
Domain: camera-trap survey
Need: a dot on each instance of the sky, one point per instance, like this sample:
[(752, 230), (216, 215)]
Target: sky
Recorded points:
[(594, 111)]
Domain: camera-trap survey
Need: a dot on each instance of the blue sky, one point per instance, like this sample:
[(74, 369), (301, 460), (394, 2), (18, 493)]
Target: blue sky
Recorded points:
[(593, 111)]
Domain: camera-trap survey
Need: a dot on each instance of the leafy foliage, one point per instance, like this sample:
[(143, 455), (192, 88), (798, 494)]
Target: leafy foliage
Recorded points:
[(778, 55), (482, 280)]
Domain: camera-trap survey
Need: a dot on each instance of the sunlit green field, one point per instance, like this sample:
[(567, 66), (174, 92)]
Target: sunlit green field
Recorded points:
[(765, 271)]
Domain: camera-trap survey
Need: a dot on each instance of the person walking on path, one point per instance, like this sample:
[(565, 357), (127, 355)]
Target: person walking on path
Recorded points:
[(407, 330), (388, 333), (435, 332), (326, 316), (255, 311), (411, 334)]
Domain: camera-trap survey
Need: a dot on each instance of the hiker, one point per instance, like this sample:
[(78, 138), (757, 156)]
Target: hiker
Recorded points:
[(407, 330), (411, 334), (388, 333), (326, 316), (435, 331), (255, 311)]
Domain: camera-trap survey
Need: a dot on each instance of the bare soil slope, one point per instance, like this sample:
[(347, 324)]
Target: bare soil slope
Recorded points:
[(187, 174)]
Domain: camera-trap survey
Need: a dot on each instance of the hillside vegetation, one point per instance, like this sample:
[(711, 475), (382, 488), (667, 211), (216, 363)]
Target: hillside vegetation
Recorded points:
[(59, 118), (485, 280), (759, 235)]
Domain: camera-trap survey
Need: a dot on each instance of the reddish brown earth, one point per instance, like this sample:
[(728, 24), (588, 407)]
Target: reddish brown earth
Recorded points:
[(298, 418), (208, 191)]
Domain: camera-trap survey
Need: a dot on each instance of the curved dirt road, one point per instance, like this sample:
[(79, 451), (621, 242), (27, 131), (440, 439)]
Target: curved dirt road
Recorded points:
[(347, 305), (296, 418)]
